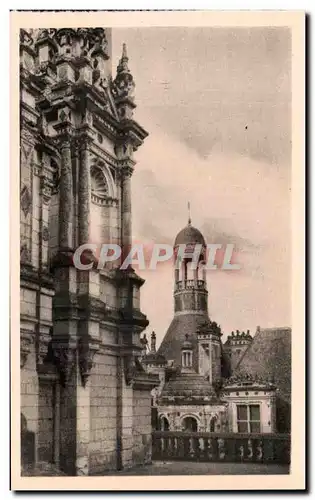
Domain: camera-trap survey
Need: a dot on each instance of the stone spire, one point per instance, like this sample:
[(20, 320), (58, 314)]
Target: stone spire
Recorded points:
[(123, 87), (123, 63)]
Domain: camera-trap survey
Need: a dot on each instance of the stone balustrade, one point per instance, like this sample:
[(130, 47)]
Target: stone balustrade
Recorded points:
[(206, 447), (189, 285)]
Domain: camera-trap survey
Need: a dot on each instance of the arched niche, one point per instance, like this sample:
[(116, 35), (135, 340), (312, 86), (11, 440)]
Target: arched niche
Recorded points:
[(189, 423), (163, 423)]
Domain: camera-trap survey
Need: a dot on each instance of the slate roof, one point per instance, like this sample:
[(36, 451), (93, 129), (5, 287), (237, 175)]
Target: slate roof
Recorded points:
[(175, 336), (269, 357)]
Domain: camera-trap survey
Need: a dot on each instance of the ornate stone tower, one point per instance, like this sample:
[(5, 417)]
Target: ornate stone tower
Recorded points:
[(191, 308), (236, 345), (80, 329)]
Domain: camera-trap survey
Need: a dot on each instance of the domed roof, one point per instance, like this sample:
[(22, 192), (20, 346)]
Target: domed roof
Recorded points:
[(188, 387), (189, 235)]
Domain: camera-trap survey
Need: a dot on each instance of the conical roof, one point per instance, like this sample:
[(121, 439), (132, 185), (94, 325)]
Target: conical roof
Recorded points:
[(182, 324)]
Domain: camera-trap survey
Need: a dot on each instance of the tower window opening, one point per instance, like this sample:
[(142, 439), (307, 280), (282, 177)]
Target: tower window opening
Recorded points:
[(186, 359)]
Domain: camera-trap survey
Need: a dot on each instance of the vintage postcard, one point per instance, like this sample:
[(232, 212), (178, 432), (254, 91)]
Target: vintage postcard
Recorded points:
[(157, 240)]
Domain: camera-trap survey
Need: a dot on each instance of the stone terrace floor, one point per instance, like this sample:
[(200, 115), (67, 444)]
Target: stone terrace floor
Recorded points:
[(158, 468)]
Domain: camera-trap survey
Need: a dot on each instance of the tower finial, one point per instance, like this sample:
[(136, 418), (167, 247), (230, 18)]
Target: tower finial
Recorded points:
[(123, 63), (124, 52), (189, 218)]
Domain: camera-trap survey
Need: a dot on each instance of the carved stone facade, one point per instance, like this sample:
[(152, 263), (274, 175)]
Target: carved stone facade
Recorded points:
[(81, 380)]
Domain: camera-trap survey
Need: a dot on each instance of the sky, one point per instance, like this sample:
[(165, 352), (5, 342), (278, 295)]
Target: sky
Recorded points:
[(217, 105)]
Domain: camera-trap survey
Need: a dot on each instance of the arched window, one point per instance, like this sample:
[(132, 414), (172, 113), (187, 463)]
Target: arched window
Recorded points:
[(190, 424)]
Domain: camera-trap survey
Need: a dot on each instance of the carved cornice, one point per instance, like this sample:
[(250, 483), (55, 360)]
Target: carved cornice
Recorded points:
[(31, 275), (104, 201), (243, 380), (103, 155), (91, 307)]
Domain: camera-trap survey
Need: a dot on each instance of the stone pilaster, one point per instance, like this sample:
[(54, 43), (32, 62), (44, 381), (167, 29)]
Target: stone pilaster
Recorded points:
[(65, 188), (64, 347), (126, 225), (46, 192), (84, 180)]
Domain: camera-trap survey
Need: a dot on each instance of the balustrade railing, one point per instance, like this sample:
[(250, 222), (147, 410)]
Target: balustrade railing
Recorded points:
[(189, 284), (206, 447)]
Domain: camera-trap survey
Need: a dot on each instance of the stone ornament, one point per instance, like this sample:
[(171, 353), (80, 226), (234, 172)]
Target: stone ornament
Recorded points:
[(42, 347), (64, 357), (25, 200), (123, 86), (45, 233), (26, 341), (87, 348), (244, 378), (25, 254)]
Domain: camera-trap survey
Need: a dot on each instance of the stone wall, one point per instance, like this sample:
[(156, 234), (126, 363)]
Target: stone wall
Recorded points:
[(29, 410), (142, 430), (103, 414), (46, 422)]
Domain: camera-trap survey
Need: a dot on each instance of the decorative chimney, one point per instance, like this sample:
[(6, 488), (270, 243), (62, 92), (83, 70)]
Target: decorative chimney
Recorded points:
[(153, 342)]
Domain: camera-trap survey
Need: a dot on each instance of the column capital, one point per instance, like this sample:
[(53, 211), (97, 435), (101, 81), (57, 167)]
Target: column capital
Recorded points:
[(84, 136), (64, 132), (126, 171)]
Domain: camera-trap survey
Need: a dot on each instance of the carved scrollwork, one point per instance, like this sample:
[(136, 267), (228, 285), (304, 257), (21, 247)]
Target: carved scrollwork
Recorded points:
[(26, 341), (64, 357), (243, 378), (87, 348), (25, 253), (132, 368), (26, 38), (25, 200), (42, 347)]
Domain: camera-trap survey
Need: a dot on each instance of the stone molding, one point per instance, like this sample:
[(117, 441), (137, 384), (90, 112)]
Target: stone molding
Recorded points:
[(26, 341)]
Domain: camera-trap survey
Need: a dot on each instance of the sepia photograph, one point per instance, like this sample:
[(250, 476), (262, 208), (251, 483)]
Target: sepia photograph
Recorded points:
[(155, 216)]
